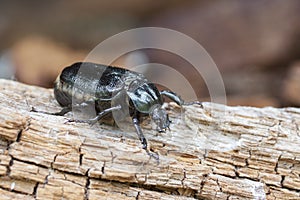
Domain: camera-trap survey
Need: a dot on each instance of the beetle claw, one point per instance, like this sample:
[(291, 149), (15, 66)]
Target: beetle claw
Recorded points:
[(193, 102), (153, 155), (160, 130)]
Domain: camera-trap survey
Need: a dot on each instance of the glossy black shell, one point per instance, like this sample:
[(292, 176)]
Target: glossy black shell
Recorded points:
[(91, 82)]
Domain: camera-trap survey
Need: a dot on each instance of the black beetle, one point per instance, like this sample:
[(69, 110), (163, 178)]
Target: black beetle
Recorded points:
[(85, 83)]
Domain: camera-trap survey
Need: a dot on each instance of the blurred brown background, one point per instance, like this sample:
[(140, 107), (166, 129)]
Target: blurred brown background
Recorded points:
[(255, 44)]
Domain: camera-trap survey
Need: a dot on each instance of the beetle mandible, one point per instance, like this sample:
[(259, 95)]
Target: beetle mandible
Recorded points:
[(98, 85)]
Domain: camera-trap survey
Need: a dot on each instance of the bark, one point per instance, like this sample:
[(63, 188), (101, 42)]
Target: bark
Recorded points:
[(214, 152)]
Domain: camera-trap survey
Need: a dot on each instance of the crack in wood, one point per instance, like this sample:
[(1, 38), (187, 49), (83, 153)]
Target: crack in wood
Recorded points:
[(35, 189), (87, 185), (11, 162), (137, 196), (277, 163), (19, 135), (103, 168), (205, 176), (15, 191)]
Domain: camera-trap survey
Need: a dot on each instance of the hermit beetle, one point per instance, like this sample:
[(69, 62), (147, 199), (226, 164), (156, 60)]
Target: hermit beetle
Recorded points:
[(88, 83)]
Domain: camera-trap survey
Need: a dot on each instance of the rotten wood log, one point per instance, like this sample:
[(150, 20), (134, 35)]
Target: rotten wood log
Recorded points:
[(214, 152)]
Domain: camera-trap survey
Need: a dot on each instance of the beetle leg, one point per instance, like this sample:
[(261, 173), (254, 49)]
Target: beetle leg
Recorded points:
[(98, 117), (140, 134), (142, 138), (177, 99), (63, 111)]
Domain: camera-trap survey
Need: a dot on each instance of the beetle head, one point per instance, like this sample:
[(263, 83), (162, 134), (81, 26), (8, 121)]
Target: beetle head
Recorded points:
[(160, 118), (143, 95)]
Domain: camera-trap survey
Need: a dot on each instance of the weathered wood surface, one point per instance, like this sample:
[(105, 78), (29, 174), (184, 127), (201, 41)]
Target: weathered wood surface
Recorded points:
[(217, 152)]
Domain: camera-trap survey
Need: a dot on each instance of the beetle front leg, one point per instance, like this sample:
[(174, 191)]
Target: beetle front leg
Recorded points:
[(142, 138), (139, 132), (177, 99)]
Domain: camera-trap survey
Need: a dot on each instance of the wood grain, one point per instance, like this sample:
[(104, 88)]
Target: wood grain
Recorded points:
[(217, 152)]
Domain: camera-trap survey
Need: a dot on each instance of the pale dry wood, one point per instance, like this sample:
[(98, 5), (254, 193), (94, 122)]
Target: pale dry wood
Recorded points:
[(217, 152)]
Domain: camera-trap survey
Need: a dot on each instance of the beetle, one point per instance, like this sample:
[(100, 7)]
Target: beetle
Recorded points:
[(86, 83)]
